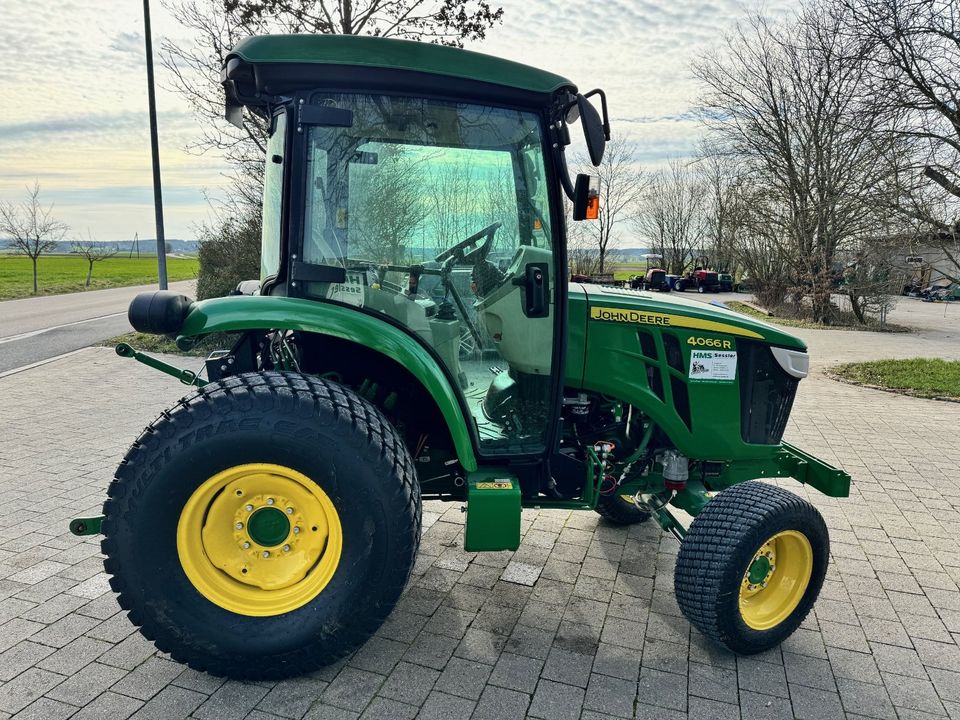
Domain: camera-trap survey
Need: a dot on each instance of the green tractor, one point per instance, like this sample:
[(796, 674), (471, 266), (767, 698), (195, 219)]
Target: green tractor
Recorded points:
[(267, 523)]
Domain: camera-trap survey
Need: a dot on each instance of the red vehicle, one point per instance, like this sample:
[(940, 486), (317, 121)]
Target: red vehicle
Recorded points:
[(702, 280), (656, 279)]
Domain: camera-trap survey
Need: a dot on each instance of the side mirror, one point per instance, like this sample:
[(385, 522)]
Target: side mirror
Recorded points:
[(586, 197), (594, 132)]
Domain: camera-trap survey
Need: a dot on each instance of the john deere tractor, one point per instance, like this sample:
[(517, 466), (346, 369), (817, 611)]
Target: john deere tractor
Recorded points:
[(267, 523)]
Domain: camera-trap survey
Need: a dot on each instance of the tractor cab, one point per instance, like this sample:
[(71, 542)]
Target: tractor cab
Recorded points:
[(423, 185)]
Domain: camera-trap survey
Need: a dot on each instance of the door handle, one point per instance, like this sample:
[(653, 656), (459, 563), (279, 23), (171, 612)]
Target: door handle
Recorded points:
[(536, 300)]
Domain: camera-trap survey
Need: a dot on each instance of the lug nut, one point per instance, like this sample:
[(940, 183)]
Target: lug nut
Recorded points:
[(239, 526), (286, 548), (266, 553), (269, 501), (249, 508), (246, 546), (289, 511), (296, 531)]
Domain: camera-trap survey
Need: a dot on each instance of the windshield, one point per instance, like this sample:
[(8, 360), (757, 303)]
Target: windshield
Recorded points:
[(411, 177)]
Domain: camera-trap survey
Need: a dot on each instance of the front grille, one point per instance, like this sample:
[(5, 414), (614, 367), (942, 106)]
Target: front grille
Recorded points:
[(766, 394)]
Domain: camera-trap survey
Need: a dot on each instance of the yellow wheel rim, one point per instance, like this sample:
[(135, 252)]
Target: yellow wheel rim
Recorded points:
[(259, 539), (776, 580)]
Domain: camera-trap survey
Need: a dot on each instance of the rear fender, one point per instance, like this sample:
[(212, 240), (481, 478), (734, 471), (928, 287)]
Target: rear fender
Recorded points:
[(238, 313)]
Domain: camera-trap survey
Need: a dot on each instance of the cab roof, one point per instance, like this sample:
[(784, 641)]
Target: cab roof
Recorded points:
[(336, 53)]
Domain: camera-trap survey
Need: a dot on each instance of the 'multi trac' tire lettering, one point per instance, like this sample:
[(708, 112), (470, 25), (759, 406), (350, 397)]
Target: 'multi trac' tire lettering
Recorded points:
[(324, 433)]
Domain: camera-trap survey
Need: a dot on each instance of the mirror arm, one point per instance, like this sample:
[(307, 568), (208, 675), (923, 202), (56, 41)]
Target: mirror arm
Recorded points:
[(564, 174), (603, 106)]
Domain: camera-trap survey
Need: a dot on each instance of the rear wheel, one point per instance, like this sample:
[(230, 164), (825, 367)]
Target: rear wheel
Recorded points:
[(701, 289), (751, 566), (620, 510), (263, 527)]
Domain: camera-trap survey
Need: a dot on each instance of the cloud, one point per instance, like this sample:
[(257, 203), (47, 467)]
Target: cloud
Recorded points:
[(130, 43), (74, 98), (68, 128)]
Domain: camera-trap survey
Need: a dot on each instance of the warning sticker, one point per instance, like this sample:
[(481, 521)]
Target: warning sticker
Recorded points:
[(707, 365), (495, 485)]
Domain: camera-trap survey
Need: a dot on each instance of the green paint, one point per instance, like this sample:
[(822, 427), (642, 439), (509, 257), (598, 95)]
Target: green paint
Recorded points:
[(86, 526), (234, 313), (268, 526), (612, 363), (493, 511), (759, 569), (371, 52), (187, 377)]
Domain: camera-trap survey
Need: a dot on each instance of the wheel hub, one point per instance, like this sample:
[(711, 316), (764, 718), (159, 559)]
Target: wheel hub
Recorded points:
[(259, 539), (268, 526)]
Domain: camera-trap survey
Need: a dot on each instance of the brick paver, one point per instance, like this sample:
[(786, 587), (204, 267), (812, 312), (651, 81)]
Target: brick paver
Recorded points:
[(580, 622)]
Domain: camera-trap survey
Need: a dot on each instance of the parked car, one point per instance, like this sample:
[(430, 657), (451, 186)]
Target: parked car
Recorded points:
[(700, 280)]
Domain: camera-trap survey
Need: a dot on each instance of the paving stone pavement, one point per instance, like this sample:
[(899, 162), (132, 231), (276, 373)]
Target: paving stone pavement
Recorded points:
[(596, 635)]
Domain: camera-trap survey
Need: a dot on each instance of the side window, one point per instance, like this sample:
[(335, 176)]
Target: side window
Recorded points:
[(538, 207), (272, 198)]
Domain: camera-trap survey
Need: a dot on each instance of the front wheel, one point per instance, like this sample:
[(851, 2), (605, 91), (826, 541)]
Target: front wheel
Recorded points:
[(620, 510), (263, 527), (701, 289), (751, 566)]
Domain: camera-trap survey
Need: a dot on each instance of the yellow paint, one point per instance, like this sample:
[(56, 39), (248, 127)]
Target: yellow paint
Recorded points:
[(764, 606), (643, 317), (497, 485), (698, 341), (255, 580)]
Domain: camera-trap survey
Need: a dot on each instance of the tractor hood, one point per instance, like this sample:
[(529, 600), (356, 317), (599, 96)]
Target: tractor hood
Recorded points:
[(669, 310)]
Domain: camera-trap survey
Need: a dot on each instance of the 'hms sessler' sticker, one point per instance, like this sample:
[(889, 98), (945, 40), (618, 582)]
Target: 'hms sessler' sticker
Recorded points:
[(708, 365)]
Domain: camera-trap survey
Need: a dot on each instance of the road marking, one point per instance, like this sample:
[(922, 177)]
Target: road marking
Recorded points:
[(41, 362), (33, 333)]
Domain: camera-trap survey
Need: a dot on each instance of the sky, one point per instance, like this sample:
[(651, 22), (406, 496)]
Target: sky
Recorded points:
[(73, 100)]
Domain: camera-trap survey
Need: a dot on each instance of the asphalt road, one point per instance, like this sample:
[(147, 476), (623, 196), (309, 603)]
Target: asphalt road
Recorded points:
[(39, 328)]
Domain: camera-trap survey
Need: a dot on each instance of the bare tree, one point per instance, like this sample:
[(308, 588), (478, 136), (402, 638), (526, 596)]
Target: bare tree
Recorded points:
[(31, 227), (914, 70), (621, 185), (672, 217), (390, 205), (790, 102), (93, 252), (873, 277), (719, 179), (218, 25)]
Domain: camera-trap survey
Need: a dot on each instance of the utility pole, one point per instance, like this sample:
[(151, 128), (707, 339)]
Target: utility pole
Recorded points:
[(155, 150)]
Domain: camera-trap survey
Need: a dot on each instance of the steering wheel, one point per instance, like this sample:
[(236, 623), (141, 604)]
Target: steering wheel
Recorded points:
[(459, 252)]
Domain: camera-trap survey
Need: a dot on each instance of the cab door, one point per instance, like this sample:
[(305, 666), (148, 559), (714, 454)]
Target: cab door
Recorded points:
[(438, 214)]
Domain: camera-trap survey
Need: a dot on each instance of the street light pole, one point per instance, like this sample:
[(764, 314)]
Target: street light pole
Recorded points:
[(155, 150)]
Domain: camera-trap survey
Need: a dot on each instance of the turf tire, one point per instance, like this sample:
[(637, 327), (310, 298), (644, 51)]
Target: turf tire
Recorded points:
[(718, 548), (315, 426)]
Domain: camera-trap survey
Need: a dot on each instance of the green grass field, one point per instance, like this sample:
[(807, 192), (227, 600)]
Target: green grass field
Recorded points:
[(58, 274), (921, 377)]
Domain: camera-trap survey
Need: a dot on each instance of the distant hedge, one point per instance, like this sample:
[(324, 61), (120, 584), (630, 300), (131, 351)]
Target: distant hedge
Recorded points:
[(229, 253)]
